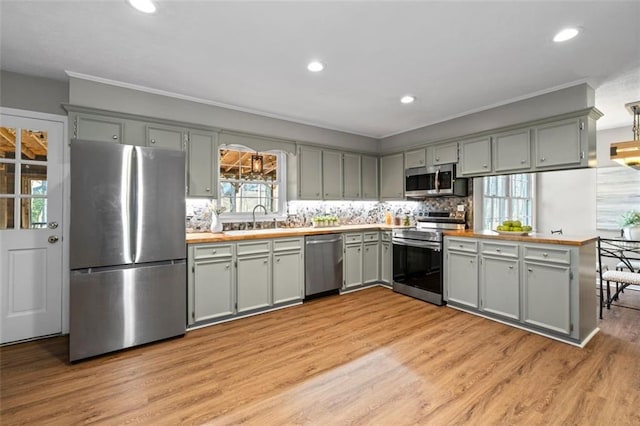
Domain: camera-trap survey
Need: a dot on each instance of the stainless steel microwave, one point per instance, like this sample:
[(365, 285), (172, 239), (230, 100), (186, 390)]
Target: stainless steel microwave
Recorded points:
[(434, 181)]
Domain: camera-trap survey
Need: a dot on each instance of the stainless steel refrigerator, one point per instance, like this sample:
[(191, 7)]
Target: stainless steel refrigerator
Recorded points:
[(127, 248)]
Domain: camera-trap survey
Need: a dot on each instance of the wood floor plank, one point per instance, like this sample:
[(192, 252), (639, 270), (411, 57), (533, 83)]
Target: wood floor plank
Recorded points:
[(370, 357)]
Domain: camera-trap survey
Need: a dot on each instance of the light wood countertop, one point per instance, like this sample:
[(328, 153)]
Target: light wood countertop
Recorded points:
[(567, 240), (208, 237)]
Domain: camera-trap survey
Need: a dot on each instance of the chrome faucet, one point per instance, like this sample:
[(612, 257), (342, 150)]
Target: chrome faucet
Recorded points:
[(254, 214)]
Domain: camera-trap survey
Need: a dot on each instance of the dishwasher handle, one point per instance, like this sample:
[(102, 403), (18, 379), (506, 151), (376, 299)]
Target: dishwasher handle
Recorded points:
[(323, 241)]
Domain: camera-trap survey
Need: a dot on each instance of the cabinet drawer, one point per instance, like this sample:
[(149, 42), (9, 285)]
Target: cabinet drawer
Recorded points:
[(288, 244), (385, 236), (547, 254), (352, 238), (253, 247), (499, 249), (460, 244), (209, 251), (371, 236)]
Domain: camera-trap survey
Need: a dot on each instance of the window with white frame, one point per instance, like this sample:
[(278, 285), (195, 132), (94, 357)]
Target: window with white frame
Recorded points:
[(248, 179), (507, 197)]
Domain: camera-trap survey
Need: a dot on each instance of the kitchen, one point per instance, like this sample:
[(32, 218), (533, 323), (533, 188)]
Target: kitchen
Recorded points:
[(84, 97)]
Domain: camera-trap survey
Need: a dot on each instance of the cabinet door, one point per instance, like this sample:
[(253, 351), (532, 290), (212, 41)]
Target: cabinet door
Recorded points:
[(352, 175), (500, 283), (475, 157), (462, 274), (253, 282), (288, 276), (353, 265), (370, 262), (165, 137), (415, 158), (385, 263), (443, 153), (547, 301), (558, 144), (98, 128), (392, 177), (332, 175), (203, 160), (310, 173), (512, 151), (369, 178), (213, 289)]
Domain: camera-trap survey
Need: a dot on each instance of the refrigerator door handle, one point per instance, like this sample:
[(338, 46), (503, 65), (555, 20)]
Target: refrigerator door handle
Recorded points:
[(134, 208)]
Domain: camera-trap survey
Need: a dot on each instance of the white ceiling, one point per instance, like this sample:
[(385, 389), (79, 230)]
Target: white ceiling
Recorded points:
[(455, 57)]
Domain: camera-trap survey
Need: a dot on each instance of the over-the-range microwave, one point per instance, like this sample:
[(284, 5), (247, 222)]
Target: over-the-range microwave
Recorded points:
[(434, 181)]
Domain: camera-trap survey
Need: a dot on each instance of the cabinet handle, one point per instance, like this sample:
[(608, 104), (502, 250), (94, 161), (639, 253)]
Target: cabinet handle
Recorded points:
[(153, 141), (317, 194), (358, 250), (278, 260), (522, 161), (437, 159), (498, 250), (485, 166), (207, 189), (265, 261), (511, 267), (367, 249), (542, 160), (115, 137), (545, 254), (471, 261), (460, 245), (213, 251), (529, 269), (226, 266)]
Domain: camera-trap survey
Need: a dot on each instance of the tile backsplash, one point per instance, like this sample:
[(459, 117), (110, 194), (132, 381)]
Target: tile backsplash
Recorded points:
[(301, 213)]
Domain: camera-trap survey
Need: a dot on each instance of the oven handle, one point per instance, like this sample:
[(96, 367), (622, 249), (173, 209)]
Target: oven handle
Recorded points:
[(415, 243), (438, 180)]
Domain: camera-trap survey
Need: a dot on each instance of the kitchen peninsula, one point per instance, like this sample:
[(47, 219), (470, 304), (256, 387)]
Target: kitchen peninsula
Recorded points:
[(541, 283)]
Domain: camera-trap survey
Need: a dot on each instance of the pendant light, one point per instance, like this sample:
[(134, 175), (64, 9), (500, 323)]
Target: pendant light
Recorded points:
[(628, 153), (257, 164)]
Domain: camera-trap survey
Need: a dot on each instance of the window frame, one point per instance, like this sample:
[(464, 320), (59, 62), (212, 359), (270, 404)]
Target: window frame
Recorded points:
[(227, 217), (478, 200)]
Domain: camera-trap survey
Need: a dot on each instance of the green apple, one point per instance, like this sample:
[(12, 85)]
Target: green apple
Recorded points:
[(516, 223), (527, 228), (500, 228), (517, 229), (506, 223)]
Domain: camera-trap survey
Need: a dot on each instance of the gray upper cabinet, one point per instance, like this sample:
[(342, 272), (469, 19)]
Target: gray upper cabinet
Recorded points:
[(415, 158), (392, 177), (309, 173), (203, 160), (512, 151), (475, 156), (559, 144), (351, 165), (159, 136), (444, 153), (332, 175), (97, 128), (369, 177)]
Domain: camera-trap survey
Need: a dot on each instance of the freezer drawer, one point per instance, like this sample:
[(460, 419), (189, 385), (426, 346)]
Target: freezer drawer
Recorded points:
[(119, 308)]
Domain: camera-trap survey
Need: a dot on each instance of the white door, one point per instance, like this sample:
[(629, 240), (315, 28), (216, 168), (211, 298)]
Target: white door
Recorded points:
[(31, 181)]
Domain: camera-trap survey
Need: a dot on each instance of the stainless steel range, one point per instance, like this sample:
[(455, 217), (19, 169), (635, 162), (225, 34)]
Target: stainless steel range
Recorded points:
[(417, 255)]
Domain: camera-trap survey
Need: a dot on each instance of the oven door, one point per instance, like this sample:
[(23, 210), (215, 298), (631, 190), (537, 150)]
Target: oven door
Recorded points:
[(417, 268)]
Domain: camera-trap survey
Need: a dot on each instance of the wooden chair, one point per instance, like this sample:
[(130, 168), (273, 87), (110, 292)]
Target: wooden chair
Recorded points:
[(627, 269)]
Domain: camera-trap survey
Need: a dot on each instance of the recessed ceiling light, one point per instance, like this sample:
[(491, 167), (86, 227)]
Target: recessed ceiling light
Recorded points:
[(315, 66), (407, 99), (145, 6), (566, 34)]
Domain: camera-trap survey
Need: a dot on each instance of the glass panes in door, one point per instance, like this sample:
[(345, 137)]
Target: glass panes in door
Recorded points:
[(23, 178)]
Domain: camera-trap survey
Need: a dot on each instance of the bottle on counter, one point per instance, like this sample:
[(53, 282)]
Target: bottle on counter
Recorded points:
[(388, 218), (406, 221)]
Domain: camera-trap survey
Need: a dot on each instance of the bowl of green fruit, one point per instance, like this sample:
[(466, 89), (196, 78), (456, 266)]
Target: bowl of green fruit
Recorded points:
[(513, 227)]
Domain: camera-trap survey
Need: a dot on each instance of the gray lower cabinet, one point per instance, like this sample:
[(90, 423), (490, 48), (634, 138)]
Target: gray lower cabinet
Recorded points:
[(386, 259), (211, 283), (254, 282), (203, 164), (370, 262), (545, 288), (288, 270), (462, 274), (352, 265)]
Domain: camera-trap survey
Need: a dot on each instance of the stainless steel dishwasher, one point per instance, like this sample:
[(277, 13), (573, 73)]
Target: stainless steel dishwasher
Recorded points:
[(323, 264)]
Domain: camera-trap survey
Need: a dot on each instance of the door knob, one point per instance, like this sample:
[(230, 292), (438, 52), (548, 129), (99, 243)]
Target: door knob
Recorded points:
[(53, 225), (53, 239)]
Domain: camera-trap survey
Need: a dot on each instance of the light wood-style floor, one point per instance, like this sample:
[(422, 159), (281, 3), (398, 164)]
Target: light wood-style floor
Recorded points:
[(370, 357)]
